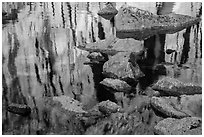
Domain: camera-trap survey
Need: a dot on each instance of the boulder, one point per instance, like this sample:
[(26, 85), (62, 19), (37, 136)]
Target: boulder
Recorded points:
[(132, 22), (167, 108), (150, 92), (173, 87), (172, 126), (116, 85), (108, 12), (123, 66), (96, 56), (20, 109), (113, 45)]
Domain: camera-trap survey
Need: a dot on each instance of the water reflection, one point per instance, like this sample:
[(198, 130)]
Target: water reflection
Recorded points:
[(41, 58)]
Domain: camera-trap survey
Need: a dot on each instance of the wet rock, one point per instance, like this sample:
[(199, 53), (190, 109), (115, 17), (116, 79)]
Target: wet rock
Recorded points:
[(167, 108), (108, 107), (172, 126), (96, 56), (123, 66), (113, 45), (173, 87), (20, 109), (62, 115), (150, 92), (116, 85), (132, 22), (108, 12)]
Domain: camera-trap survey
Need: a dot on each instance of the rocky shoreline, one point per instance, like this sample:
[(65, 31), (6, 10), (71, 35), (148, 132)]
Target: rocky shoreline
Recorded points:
[(167, 107)]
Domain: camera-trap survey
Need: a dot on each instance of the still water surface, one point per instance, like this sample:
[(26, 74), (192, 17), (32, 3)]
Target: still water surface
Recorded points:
[(41, 58)]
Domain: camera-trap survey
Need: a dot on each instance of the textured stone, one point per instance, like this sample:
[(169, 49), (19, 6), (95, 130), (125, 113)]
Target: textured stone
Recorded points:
[(123, 66), (172, 126), (132, 22), (96, 56), (116, 85), (174, 87), (167, 108), (108, 12)]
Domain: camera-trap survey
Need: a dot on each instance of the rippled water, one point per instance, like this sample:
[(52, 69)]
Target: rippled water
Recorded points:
[(41, 58)]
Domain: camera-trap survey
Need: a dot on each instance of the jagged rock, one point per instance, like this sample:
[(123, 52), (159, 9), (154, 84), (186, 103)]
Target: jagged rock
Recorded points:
[(20, 109), (108, 12), (172, 126), (173, 87), (123, 66), (167, 108), (113, 45), (132, 22), (63, 115), (108, 107), (96, 56), (116, 85)]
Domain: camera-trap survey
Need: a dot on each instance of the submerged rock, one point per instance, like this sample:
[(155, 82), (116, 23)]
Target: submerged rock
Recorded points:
[(108, 107), (123, 66), (20, 109), (132, 22), (172, 126), (167, 108), (113, 45), (173, 87), (108, 12), (116, 85)]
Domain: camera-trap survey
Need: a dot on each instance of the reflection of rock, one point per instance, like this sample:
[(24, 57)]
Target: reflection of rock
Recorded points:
[(116, 85), (62, 114), (108, 12), (112, 46), (172, 126), (132, 22), (123, 66), (167, 108), (189, 104), (20, 109), (174, 87)]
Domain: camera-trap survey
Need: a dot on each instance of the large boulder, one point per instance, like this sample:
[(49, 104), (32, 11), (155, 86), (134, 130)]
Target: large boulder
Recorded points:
[(116, 85), (132, 22), (123, 66), (167, 108), (173, 87), (113, 45), (172, 126), (108, 12)]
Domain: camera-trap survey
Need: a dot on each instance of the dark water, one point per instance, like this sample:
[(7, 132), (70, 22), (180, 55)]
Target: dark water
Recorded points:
[(40, 55)]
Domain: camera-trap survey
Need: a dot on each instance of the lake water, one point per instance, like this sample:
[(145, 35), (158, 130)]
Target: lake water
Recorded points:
[(40, 55)]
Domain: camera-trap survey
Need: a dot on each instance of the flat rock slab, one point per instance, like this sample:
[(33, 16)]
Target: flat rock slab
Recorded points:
[(108, 12), (123, 66), (132, 22), (113, 45), (172, 126), (167, 108), (116, 85), (173, 87)]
